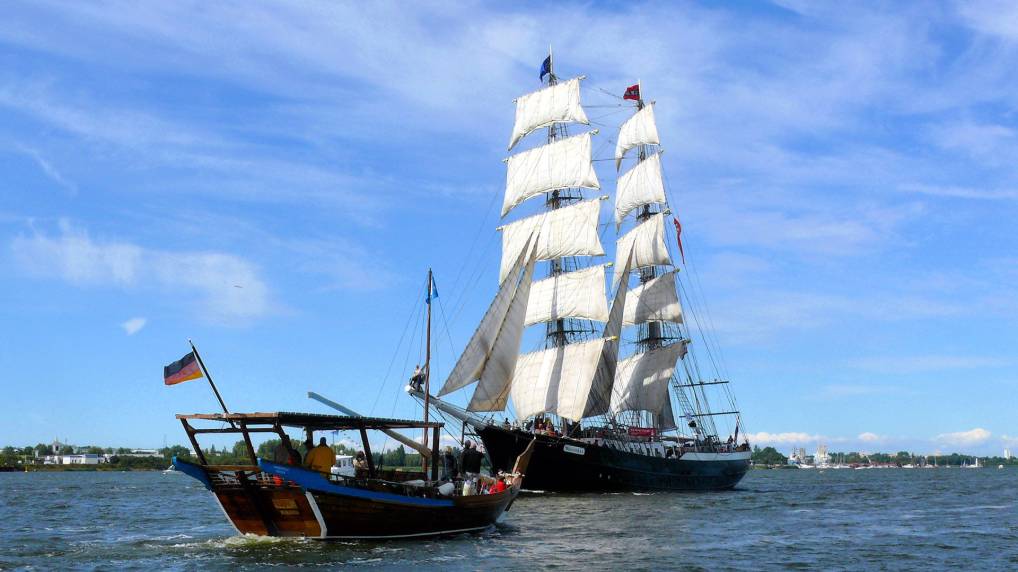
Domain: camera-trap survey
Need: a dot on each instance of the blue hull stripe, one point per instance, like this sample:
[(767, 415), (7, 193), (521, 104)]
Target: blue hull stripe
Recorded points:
[(313, 480), (193, 471)]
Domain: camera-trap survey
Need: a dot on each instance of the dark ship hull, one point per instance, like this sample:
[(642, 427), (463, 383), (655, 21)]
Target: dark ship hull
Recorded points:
[(569, 465)]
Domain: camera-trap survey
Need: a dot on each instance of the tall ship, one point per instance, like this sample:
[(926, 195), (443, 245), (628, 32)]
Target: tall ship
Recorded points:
[(614, 390)]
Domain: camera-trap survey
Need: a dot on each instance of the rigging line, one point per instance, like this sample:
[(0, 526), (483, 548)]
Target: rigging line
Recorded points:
[(472, 282), (711, 336), (445, 322), (606, 92), (602, 116), (394, 354), (477, 235)]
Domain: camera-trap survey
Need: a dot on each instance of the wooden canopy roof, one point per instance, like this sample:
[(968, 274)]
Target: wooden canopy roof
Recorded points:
[(313, 421)]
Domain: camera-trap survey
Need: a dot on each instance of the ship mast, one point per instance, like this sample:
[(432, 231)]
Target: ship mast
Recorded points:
[(427, 374)]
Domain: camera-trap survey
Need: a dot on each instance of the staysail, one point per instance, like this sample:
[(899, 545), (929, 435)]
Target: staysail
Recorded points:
[(474, 357), (492, 390)]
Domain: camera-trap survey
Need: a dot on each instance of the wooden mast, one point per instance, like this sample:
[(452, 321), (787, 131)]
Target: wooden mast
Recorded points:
[(427, 381)]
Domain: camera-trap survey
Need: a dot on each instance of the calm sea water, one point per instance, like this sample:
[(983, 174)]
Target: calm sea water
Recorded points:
[(874, 519)]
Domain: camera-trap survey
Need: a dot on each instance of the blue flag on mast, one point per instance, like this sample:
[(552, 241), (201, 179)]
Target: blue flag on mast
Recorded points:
[(546, 67), (432, 290)]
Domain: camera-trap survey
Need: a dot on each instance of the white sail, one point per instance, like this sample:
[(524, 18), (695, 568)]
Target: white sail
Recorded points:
[(647, 243), (556, 380), (471, 362), (601, 389), (640, 129), (492, 391), (578, 294), (564, 163), (639, 186), (654, 300), (559, 103), (641, 381), (568, 231)]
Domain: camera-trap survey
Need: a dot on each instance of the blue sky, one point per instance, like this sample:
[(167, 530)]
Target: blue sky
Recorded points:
[(274, 181)]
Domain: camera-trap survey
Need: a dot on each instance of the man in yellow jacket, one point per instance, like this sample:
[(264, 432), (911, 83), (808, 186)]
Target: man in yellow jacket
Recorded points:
[(321, 458)]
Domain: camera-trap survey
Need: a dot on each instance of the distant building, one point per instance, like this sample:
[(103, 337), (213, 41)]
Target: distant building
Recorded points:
[(82, 459)]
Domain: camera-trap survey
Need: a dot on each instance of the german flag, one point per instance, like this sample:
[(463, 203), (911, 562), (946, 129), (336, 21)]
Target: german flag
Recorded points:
[(184, 369)]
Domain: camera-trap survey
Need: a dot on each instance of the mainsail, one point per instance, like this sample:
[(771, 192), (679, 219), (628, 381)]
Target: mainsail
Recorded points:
[(641, 382), (577, 294)]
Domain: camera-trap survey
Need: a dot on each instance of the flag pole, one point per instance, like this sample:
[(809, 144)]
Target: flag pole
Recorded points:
[(551, 64), (201, 364)]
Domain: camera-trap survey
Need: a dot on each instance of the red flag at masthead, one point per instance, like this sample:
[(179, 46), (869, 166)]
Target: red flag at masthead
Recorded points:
[(632, 92)]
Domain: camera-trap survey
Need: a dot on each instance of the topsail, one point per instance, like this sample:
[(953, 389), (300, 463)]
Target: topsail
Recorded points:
[(568, 231), (640, 129), (558, 103)]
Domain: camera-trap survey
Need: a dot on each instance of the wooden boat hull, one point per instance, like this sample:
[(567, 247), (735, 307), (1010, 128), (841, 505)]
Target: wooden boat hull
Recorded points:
[(567, 465), (280, 500)]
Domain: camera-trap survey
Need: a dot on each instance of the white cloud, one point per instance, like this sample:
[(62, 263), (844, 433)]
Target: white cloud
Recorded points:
[(790, 438), (975, 436), (868, 437), (133, 326), (228, 288)]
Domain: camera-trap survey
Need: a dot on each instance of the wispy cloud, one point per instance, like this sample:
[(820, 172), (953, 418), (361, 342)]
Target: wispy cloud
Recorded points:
[(229, 288), (962, 192), (926, 363), (133, 326), (50, 170)]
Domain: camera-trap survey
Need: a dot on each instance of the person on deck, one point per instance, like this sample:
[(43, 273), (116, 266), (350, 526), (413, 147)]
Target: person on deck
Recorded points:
[(449, 469), (281, 455), (417, 379), (470, 460), (360, 464), (321, 458)]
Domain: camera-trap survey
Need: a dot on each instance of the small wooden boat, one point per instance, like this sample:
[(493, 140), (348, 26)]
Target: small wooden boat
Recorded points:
[(272, 499)]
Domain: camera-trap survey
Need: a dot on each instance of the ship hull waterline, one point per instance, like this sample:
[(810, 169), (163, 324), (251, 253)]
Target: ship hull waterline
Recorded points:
[(310, 507), (567, 465)]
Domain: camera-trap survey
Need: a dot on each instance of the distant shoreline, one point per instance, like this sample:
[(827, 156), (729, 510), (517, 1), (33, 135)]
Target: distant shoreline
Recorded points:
[(74, 468)]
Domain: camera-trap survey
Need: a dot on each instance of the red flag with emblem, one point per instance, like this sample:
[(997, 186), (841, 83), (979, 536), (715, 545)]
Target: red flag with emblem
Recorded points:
[(678, 237), (632, 92)]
